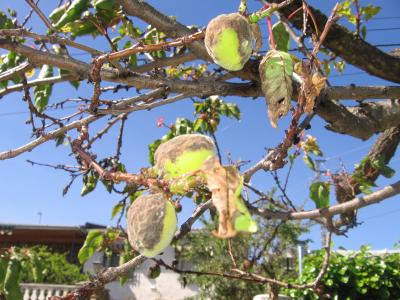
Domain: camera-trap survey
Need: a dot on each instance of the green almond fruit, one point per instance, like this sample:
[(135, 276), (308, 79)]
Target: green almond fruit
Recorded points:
[(229, 41), (183, 154), (151, 224)]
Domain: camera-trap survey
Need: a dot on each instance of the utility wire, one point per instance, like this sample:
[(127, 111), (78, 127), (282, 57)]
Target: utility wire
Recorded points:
[(14, 113), (383, 29)]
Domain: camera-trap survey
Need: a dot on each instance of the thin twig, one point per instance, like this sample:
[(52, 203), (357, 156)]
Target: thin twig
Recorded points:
[(41, 15), (120, 135)]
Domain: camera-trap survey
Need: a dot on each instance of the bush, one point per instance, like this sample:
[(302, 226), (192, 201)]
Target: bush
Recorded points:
[(359, 276)]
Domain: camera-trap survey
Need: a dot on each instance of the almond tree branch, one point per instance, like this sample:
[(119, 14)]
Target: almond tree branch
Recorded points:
[(40, 14), (340, 39), (77, 124), (100, 60), (168, 25), (347, 185), (356, 203), (36, 82), (210, 86), (360, 121), (163, 62), (53, 39), (11, 73)]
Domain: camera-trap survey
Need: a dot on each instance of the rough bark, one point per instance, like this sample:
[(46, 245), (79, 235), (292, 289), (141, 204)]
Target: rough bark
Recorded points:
[(360, 121), (339, 40)]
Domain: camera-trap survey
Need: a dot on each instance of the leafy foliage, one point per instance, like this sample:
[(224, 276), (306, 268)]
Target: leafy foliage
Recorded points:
[(365, 13), (319, 193), (208, 113), (204, 252), (358, 276), (37, 264), (42, 92), (281, 37), (98, 240), (46, 266)]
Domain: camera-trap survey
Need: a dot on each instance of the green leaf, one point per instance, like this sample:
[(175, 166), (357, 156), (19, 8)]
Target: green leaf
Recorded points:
[(3, 270), (370, 11), (319, 193), (234, 109), (365, 189), (152, 149), (134, 196), (60, 140), (154, 272), (127, 254), (75, 83), (344, 9), (309, 162), (56, 14), (93, 241), (108, 184), (281, 37), (89, 183), (363, 32), (73, 12), (109, 5), (81, 27), (379, 164), (37, 267), (276, 71), (11, 280), (117, 209), (42, 92)]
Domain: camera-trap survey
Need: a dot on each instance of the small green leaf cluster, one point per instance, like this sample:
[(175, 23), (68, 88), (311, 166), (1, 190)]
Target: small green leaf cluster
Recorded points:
[(366, 13), (42, 92), (187, 72), (208, 113), (84, 17), (10, 272), (358, 276), (37, 264), (46, 266), (8, 61), (99, 240), (360, 176), (319, 193), (105, 241), (310, 146), (91, 178)]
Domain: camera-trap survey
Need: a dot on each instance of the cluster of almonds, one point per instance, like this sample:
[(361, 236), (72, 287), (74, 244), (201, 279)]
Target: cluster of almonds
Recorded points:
[(230, 40), (152, 218)]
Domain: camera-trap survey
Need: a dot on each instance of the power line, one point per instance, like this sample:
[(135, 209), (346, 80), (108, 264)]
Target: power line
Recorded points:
[(381, 215), (383, 29), (309, 49), (14, 113), (383, 18), (347, 74)]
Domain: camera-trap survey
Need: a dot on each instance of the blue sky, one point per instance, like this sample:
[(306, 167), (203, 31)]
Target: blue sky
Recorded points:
[(27, 190)]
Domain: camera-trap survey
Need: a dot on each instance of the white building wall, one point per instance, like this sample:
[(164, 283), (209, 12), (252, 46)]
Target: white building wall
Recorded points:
[(140, 287)]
